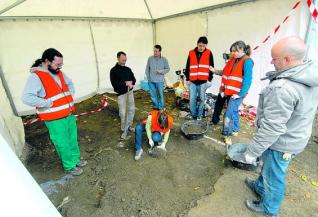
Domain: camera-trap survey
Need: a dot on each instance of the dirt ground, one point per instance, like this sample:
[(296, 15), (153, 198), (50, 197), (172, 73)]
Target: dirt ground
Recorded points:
[(191, 180)]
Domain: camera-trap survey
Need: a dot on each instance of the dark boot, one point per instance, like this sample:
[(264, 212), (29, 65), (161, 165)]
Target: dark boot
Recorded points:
[(257, 207), (250, 183)]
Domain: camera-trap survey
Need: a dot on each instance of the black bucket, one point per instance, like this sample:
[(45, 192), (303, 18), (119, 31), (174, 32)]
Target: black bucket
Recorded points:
[(237, 149), (203, 128)]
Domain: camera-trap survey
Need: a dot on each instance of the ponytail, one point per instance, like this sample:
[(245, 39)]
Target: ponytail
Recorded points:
[(37, 63), (248, 50), (163, 119)]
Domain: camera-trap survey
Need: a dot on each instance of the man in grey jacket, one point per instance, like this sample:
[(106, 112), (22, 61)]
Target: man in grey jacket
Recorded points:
[(286, 111), (157, 67)]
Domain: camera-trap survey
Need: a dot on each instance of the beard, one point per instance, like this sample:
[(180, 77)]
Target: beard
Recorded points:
[(53, 71)]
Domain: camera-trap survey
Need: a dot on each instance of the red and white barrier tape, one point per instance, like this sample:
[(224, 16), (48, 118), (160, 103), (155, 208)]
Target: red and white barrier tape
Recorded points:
[(313, 10), (104, 105), (248, 112), (278, 27)]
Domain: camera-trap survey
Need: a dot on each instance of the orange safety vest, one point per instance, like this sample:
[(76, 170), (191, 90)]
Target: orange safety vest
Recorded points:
[(63, 103), (199, 71), (155, 126), (232, 77)]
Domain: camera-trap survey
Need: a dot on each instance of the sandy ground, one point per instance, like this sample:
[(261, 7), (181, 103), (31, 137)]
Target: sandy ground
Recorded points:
[(190, 180)]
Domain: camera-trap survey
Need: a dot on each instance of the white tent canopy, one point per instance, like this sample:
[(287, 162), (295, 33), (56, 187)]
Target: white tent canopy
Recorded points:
[(138, 9), (90, 33)]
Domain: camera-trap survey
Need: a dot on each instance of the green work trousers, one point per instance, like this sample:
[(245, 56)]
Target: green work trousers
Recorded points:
[(63, 133)]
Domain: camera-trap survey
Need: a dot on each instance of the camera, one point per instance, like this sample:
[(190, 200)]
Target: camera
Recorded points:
[(226, 56), (178, 72)]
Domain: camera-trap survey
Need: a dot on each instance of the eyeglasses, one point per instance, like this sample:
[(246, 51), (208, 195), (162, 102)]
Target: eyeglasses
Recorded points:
[(59, 65)]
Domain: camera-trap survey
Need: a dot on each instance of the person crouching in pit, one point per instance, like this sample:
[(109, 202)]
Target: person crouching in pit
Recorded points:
[(157, 126)]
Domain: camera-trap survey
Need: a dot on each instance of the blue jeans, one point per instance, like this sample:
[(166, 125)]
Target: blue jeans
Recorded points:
[(195, 91), (270, 185), (231, 117), (156, 94), (138, 136)]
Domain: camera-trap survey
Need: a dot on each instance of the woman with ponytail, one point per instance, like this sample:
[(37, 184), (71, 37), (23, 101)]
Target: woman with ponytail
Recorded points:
[(236, 81)]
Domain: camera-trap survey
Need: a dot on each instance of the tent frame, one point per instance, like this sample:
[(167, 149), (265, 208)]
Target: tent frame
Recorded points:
[(7, 90), (11, 6), (199, 10)]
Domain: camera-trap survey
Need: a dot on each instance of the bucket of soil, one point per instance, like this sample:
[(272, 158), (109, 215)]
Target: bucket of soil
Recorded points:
[(194, 129), (234, 154)]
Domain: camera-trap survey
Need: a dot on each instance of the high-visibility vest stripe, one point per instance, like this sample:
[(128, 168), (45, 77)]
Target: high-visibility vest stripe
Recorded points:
[(204, 66), (203, 73), (235, 78), (232, 78), (55, 109), (232, 88), (59, 96)]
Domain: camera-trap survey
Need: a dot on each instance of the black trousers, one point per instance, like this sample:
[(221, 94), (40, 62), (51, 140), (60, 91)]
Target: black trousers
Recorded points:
[(219, 104)]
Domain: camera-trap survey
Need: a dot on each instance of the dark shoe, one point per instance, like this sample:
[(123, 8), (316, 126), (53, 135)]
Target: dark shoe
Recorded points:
[(257, 207), (250, 183), (212, 123), (76, 171), (82, 163)]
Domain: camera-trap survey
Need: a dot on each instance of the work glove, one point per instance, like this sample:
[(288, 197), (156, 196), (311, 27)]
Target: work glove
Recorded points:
[(235, 96), (250, 159), (162, 145), (151, 143)]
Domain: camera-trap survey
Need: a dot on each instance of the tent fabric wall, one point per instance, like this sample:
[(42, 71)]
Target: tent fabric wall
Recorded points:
[(250, 22), (20, 193), (135, 9), (312, 38), (22, 42), (80, 8), (11, 127), (74, 40), (132, 37), (6, 3), (177, 36), (165, 8)]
